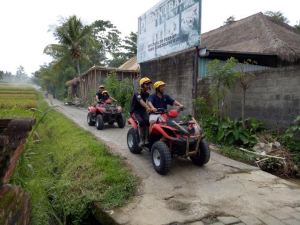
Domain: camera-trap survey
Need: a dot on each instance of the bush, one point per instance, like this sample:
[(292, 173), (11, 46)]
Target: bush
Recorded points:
[(231, 132), (121, 90), (291, 139), (202, 109)]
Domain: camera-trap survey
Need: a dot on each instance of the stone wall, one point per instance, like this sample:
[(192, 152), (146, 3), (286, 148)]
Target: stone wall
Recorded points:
[(178, 72), (273, 97)]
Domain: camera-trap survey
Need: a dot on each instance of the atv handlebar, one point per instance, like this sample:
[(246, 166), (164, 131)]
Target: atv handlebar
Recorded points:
[(162, 110)]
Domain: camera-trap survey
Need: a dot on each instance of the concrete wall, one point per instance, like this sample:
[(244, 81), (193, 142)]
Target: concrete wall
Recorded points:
[(273, 97), (178, 72)]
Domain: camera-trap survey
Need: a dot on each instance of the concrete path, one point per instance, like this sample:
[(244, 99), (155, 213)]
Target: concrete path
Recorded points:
[(222, 192)]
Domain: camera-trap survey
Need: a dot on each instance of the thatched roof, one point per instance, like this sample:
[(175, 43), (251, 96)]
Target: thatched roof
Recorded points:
[(256, 34), (73, 82), (131, 64)]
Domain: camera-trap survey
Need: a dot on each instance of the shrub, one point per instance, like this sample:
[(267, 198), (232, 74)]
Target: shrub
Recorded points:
[(232, 132), (291, 139), (202, 108), (121, 90)]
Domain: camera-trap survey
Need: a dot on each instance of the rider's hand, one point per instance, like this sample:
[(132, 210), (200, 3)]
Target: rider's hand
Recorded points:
[(181, 107), (153, 110)]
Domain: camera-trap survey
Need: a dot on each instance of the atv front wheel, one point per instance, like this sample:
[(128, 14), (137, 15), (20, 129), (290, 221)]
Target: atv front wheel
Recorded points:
[(203, 154), (99, 122), (133, 141), (89, 119), (161, 157), (121, 121)]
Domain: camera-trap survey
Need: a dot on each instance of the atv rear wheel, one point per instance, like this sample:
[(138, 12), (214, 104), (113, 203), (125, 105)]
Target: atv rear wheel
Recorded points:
[(161, 157), (203, 154), (89, 119), (121, 121), (133, 140), (99, 122)]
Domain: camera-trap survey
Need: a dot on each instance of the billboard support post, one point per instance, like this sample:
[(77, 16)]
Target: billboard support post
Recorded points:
[(195, 78)]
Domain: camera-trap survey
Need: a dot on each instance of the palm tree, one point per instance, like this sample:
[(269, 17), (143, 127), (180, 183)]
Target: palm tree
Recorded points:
[(72, 36)]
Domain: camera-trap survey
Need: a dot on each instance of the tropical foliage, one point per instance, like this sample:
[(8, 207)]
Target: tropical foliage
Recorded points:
[(223, 76), (277, 16), (120, 90), (80, 46)]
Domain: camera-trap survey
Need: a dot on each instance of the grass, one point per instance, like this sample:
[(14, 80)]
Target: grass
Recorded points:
[(65, 169), (236, 154), (13, 99)]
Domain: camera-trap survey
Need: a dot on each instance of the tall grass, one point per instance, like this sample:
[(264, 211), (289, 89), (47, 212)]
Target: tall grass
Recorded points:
[(65, 170)]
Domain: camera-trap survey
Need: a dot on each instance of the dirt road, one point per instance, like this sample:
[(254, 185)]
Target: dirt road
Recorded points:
[(240, 193)]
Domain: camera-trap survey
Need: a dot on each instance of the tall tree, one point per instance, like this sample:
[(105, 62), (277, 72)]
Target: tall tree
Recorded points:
[(108, 37), (130, 45), (245, 79), (229, 20), (223, 76), (277, 16), (20, 74), (72, 36), (79, 47), (127, 50)]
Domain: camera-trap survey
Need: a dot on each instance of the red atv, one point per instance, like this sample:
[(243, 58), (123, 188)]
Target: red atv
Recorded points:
[(171, 137), (105, 112)]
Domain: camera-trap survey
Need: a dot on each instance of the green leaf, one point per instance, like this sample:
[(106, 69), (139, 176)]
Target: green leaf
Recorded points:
[(244, 139), (220, 135)]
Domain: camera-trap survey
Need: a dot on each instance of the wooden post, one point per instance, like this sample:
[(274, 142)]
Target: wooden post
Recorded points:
[(95, 79)]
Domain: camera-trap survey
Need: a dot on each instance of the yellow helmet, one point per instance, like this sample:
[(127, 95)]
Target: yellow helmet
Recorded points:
[(145, 80), (101, 86), (157, 84)]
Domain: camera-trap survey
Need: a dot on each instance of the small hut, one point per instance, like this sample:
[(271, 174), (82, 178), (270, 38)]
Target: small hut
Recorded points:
[(85, 86)]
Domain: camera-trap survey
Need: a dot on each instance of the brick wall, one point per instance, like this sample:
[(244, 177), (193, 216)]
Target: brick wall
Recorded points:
[(178, 72)]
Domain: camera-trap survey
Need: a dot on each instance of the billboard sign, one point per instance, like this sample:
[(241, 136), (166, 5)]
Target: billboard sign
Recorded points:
[(170, 26)]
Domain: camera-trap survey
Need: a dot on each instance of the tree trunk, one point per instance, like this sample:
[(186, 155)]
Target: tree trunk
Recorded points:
[(78, 67), (218, 101), (243, 107)]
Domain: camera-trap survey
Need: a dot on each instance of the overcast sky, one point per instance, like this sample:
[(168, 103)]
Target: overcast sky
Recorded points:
[(25, 24)]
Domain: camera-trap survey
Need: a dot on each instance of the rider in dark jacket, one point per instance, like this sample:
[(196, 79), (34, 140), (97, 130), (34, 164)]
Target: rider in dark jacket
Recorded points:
[(140, 108)]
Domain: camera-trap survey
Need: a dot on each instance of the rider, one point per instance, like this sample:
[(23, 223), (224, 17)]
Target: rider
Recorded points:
[(139, 108), (159, 100), (99, 93), (104, 96)]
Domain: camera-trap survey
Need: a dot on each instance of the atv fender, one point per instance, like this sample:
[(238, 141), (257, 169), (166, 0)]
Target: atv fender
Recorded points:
[(133, 123), (157, 129), (92, 109)]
